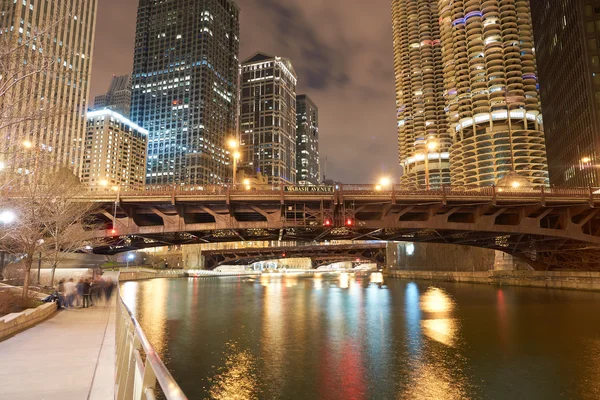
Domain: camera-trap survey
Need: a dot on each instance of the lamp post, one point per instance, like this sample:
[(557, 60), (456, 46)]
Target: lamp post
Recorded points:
[(130, 257), (117, 189), (430, 144), (233, 145), (383, 183), (6, 217)]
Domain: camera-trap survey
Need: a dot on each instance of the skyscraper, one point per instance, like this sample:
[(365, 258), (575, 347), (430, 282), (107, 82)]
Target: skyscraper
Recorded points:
[(483, 53), (46, 55), (308, 167), (268, 117), (184, 88), (115, 153), (118, 96), (567, 37), (420, 101), (492, 99)]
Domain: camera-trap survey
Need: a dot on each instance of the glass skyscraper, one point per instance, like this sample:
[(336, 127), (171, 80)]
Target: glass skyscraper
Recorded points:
[(184, 88), (567, 42), (268, 118), (308, 167)]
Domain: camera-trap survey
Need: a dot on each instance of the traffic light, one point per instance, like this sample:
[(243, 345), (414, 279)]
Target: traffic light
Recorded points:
[(349, 222), (283, 255), (327, 222), (113, 231)]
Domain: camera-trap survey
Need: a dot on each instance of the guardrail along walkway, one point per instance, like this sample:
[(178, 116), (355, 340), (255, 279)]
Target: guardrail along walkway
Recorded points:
[(69, 356)]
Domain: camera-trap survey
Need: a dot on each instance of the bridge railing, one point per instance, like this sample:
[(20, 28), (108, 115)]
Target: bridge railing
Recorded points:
[(361, 189), (139, 368)]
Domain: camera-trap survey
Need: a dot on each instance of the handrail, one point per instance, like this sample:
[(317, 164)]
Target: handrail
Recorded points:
[(136, 377)]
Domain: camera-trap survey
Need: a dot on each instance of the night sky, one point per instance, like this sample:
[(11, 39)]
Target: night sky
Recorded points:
[(341, 51)]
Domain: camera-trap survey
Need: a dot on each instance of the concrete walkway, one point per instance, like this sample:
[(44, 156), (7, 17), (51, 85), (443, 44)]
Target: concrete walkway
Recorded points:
[(69, 356)]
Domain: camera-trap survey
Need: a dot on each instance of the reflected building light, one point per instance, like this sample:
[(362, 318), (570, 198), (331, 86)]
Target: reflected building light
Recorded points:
[(413, 317), (410, 249), (318, 281), (435, 300), (376, 277), (344, 280), (442, 330)]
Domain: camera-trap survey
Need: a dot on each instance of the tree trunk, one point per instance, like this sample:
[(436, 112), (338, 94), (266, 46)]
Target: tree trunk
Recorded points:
[(2, 260), (28, 262), (52, 275)]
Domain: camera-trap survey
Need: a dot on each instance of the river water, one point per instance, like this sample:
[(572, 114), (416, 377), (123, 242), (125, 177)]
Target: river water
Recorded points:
[(347, 337)]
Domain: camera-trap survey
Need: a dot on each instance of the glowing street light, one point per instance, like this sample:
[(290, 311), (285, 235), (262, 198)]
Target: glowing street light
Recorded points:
[(103, 182), (7, 217), (130, 257), (247, 183), (233, 145), (385, 181), (27, 144)]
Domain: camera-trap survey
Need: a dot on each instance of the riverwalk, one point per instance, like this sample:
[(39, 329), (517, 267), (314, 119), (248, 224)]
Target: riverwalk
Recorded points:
[(69, 356)]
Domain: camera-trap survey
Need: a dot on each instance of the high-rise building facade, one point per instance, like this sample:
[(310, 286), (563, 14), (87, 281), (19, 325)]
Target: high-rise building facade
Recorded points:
[(492, 98), (420, 96), (184, 88), (308, 166), (268, 118), (47, 56), (118, 96), (115, 152), (567, 41)]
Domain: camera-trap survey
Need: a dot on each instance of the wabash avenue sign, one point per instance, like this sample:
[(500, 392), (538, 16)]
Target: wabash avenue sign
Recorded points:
[(309, 189)]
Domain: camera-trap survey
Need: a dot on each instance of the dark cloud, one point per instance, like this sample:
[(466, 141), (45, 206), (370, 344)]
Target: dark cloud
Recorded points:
[(341, 51)]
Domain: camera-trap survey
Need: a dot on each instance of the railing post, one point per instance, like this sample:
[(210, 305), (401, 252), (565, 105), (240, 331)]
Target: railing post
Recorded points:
[(282, 193), (173, 195), (543, 195), (393, 194), (493, 194), (227, 196), (591, 196), (444, 199)]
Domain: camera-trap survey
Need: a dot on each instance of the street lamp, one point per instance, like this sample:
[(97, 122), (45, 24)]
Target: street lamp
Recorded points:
[(247, 183), (233, 145), (431, 146), (384, 182), (7, 217), (130, 257)]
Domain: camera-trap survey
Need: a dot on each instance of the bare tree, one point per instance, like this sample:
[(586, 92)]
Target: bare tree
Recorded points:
[(68, 220), (52, 217)]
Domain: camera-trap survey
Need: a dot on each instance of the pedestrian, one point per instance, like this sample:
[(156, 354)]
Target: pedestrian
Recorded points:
[(97, 290), (80, 292), (70, 291), (86, 293), (108, 288), (60, 289)]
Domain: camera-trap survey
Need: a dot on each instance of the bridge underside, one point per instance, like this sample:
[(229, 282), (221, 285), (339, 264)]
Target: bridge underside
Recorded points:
[(541, 252), (549, 233), (319, 254)]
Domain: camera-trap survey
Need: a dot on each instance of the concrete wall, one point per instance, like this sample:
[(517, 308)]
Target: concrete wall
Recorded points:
[(544, 279), (408, 256), (16, 322)]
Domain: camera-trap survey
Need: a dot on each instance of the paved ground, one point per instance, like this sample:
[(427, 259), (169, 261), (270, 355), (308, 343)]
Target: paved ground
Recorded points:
[(69, 356)]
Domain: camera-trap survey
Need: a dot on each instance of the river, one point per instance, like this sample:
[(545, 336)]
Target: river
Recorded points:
[(345, 337)]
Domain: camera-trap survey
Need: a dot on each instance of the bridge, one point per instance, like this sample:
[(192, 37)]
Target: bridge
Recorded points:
[(319, 254), (550, 228)]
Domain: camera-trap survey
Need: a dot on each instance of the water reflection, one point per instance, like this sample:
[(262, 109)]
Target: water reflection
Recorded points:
[(438, 323), (237, 380), (329, 336)]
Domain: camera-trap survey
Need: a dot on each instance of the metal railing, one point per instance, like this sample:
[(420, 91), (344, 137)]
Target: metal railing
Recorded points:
[(139, 368), (353, 189)]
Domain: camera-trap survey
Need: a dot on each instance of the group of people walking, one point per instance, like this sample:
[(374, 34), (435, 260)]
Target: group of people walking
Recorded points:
[(85, 293)]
